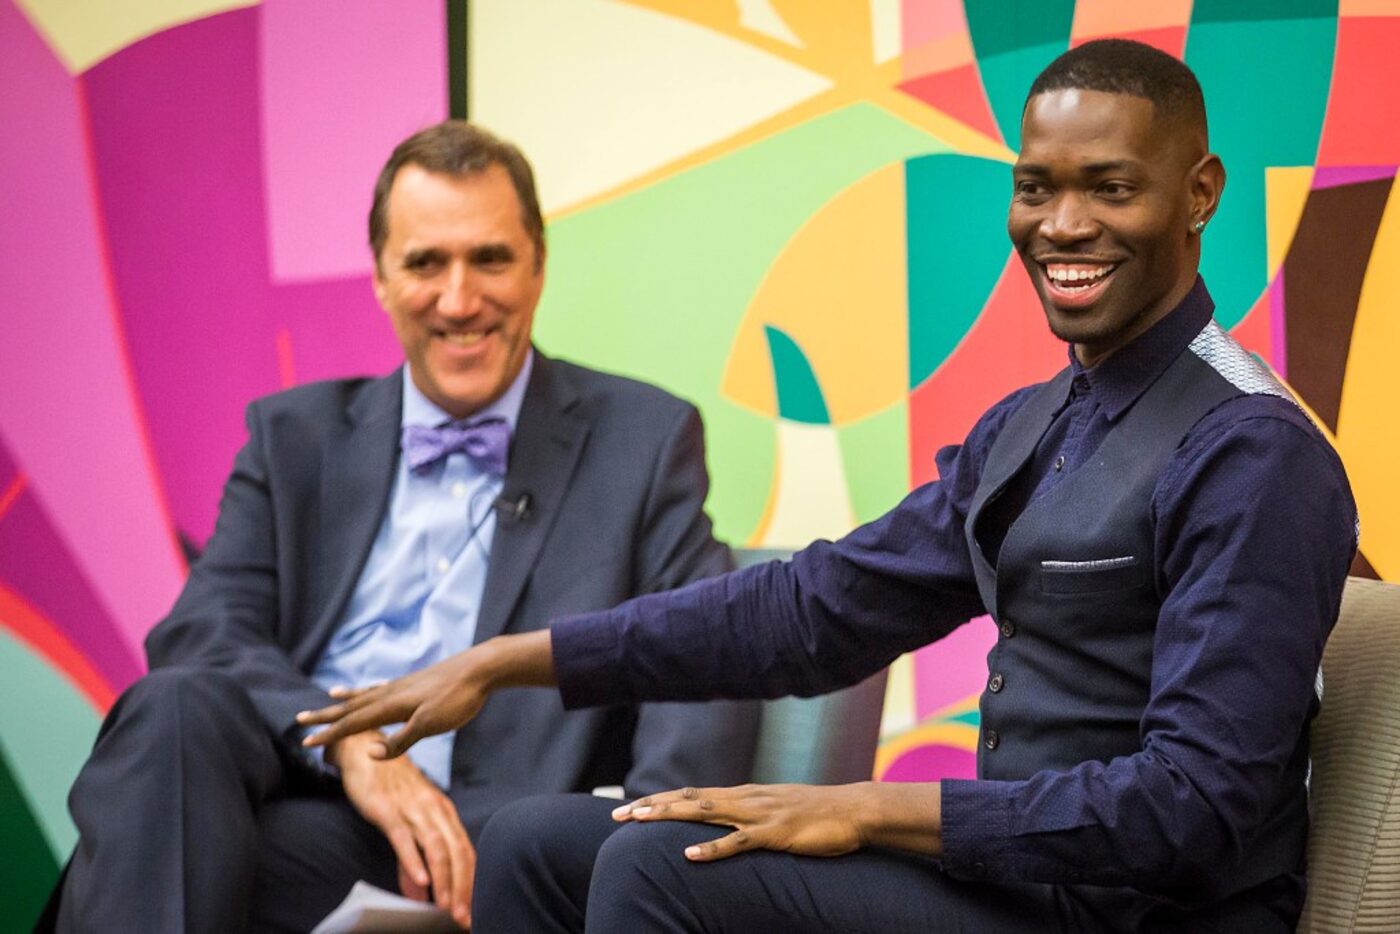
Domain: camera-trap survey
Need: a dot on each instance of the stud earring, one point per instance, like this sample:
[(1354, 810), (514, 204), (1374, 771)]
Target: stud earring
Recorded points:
[(1198, 226)]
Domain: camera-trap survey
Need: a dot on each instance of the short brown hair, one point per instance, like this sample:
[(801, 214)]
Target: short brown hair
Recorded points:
[(456, 147)]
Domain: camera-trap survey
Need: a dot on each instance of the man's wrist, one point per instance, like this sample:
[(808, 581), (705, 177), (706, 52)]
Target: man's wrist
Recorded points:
[(518, 660), (338, 752)]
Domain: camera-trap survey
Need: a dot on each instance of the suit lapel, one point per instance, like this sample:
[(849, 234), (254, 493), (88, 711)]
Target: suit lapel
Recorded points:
[(549, 437), (358, 468)]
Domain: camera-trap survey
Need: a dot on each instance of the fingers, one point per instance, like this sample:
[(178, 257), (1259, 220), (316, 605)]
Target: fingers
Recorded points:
[(703, 805), (411, 866), (740, 841)]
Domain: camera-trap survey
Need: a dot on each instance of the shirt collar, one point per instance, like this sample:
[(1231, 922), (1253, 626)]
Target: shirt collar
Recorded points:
[(1126, 374), (418, 409)]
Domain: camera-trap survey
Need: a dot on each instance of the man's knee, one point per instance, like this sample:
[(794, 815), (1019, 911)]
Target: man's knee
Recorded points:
[(185, 697)]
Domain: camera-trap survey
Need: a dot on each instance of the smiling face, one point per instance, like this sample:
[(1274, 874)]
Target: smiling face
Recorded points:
[(1106, 194), (460, 278)]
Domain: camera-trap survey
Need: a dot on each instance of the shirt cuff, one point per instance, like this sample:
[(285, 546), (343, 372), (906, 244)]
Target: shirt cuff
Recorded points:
[(587, 651), (976, 826)]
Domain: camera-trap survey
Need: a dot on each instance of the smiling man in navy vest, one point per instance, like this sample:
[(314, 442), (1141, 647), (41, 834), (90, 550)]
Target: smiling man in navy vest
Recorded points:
[(370, 528), (1161, 536)]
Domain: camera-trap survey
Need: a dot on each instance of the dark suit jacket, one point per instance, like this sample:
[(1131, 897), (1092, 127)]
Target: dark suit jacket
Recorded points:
[(616, 479)]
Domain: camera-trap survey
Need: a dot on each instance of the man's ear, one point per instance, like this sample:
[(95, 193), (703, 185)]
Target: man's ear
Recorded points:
[(377, 281), (1207, 184)]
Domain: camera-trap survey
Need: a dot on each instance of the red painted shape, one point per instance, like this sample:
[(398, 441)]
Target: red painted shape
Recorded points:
[(1356, 132), (1255, 330), (1170, 39), (286, 363), (957, 93), (37, 632), (1009, 346), (12, 492)]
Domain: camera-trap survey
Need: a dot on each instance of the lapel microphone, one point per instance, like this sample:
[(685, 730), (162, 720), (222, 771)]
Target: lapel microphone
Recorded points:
[(514, 510)]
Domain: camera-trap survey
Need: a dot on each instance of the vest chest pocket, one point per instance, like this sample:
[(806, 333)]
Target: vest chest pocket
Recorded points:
[(1100, 575)]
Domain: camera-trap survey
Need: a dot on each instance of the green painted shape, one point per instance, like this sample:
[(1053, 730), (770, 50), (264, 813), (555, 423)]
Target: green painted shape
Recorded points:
[(1014, 40), (655, 285), (875, 455), (955, 225), (48, 729), (1253, 11), (1266, 85), (799, 393), (29, 868)]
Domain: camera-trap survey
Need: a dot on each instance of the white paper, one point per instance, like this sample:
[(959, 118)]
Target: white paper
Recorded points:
[(368, 908)]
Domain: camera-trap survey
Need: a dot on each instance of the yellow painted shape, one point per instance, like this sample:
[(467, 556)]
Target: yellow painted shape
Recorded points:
[(1285, 195), (941, 733), (810, 499), (839, 290), (83, 32), (899, 716), (1368, 431), (1095, 18)]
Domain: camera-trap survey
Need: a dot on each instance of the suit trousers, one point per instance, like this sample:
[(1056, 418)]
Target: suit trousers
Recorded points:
[(191, 818), (561, 864)]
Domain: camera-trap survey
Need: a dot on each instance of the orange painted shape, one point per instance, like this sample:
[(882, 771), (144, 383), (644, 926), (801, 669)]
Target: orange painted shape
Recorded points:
[(1170, 39), (1255, 330), (1096, 19), (959, 94), (942, 54), (1009, 346), (29, 626), (1360, 128), (838, 289), (1369, 8)]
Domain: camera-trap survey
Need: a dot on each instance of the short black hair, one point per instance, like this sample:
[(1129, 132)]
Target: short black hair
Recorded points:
[(1123, 66), (457, 148)]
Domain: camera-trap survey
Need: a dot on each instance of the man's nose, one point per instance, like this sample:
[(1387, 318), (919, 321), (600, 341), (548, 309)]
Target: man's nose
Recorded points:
[(1069, 220), (459, 293)]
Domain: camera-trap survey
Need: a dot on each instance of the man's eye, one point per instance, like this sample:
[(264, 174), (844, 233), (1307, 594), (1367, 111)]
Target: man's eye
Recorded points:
[(1029, 191), (1116, 191)]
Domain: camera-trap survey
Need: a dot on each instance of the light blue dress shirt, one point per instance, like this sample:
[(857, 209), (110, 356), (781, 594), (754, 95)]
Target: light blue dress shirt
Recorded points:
[(417, 598)]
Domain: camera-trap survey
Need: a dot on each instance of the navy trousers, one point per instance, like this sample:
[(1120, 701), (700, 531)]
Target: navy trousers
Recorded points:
[(190, 819), (560, 863)]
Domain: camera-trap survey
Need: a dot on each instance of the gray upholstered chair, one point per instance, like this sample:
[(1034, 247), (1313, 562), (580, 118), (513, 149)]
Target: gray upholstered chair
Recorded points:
[(1354, 846), (828, 740)]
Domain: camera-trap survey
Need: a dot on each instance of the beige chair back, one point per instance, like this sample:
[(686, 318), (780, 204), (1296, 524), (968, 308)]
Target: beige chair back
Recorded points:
[(1354, 844)]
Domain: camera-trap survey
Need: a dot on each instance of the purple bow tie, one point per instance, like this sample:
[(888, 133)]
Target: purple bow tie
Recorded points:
[(486, 442)]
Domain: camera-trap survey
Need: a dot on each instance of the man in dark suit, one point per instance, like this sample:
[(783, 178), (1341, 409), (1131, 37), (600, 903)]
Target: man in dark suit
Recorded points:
[(370, 528)]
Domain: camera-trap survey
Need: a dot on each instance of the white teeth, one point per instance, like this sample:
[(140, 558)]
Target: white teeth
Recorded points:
[(1064, 274), (464, 339)]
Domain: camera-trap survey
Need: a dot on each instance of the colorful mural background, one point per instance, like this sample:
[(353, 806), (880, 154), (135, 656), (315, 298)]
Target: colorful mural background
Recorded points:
[(791, 213)]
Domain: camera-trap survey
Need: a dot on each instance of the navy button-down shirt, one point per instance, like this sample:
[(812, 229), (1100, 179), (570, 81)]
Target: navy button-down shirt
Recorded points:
[(1255, 529)]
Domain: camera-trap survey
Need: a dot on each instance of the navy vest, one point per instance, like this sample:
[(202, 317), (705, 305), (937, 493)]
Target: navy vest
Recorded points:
[(1075, 592)]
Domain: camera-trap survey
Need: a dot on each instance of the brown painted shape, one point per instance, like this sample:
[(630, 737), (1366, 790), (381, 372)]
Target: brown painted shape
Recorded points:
[(1322, 277)]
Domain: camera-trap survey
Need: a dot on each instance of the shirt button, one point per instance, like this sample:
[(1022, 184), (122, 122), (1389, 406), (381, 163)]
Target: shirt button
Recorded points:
[(996, 683), (1060, 463), (442, 565), (459, 489), (1008, 629), (990, 739)]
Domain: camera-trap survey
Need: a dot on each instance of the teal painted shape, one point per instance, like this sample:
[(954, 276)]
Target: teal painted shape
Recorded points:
[(955, 227), (970, 717), (48, 728), (1251, 11), (799, 394), (29, 868), (1014, 40), (1266, 84)]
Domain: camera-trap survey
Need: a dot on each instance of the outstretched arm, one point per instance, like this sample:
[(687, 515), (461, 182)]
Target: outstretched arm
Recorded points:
[(436, 699)]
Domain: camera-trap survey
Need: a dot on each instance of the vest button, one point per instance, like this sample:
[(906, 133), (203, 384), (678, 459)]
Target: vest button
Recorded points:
[(991, 740), (996, 683), (1008, 629), (1059, 463)]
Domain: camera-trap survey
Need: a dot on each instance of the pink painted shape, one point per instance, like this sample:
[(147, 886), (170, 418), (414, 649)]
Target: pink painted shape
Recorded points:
[(68, 409), (930, 763), (37, 565), (953, 668), (1334, 176), (341, 84), (927, 20)]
